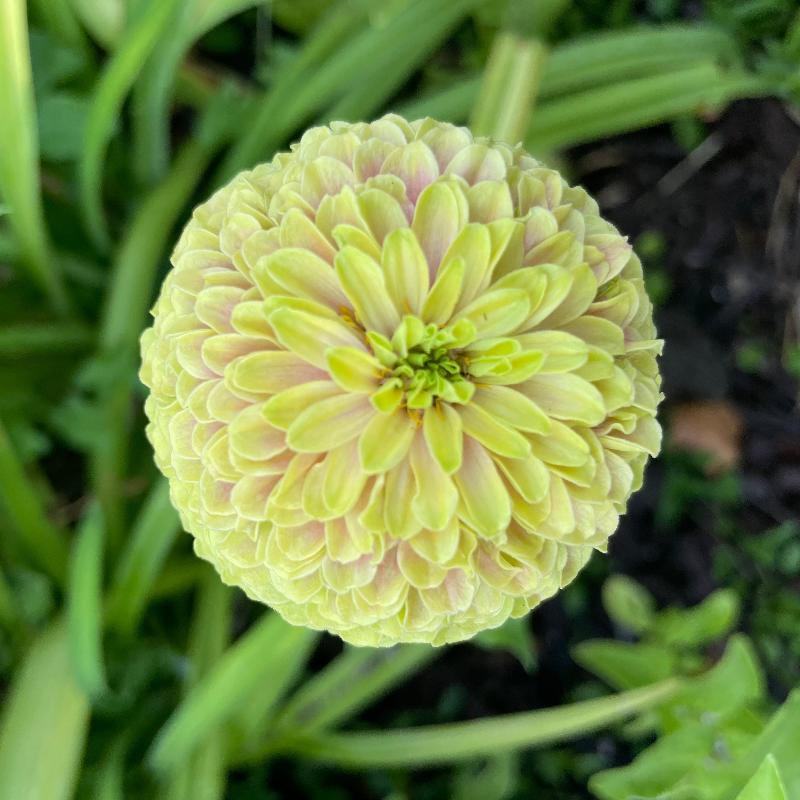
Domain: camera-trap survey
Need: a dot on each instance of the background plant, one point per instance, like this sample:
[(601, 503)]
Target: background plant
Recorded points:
[(129, 664)]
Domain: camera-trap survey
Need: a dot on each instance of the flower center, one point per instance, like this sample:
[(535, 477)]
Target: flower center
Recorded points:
[(423, 362)]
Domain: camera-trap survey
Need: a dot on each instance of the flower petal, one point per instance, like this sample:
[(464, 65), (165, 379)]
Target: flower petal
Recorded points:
[(436, 496), (440, 214), (304, 274), (442, 429), (491, 433), (329, 423), (485, 498), (405, 271), (512, 407), (309, 335), (354, 370), (385, 441), (362, 280)]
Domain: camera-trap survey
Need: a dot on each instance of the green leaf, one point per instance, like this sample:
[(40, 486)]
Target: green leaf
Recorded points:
[(497, 779), (515, 636), (62, 122), (638, 103), (203, 775), (109, 94), (349, 683), (460, 741), (19, 153), (733, 683), (624, 665), (659, 769), (246, 668), (703, 623), (628, 603), (149, 542), (25, 340), (766, 784), (780, 739), (41, 541), (84, 599), (44, 724)]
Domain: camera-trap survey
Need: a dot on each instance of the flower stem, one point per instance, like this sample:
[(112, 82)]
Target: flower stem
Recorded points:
[(442, 744)]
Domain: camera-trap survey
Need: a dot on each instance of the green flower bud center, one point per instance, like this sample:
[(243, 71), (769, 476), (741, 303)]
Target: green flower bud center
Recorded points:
[(423, 362)]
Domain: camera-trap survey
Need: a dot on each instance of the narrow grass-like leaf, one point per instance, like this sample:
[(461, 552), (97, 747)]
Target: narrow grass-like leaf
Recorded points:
[(202, 775), (149, 542), (9, 612), (44, 723), (253, 719), (130, 293), (28, 339), (591, 61), (636, 104), (270, 122), (510, 84), (349, 683), (459, 741), (246, 668), (19, 153), (109, 784), (391, 66), (84, 602), (59, 18), (109, 94), (352, 681), (104, 19), (179, 575), (38, 537)]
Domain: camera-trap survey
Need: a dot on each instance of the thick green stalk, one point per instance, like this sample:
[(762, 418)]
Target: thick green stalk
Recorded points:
[(109, 95), (19, 154), (509, 88), (460, 741), (44, 724), (149, 542), (41, 541)]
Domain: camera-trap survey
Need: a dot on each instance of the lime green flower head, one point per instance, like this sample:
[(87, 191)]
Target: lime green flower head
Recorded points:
[(403, 381)]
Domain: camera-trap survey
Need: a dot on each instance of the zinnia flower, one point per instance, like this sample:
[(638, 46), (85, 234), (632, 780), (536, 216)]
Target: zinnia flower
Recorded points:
[(403, 381)]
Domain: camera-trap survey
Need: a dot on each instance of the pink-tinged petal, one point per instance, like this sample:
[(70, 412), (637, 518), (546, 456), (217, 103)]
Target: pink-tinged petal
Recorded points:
[(215, 306), (329, 423), (415, 164), (486, 501), (303, 274), (440, 214), (251, 436), (478, 162), (272, 371), (310, 336)]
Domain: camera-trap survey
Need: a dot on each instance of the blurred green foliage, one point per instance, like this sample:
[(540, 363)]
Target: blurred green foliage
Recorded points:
[(125, 659)]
